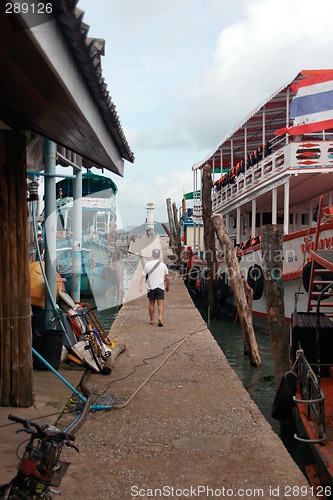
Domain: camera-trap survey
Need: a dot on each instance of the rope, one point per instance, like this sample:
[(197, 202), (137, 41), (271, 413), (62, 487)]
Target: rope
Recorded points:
[(123, 405)]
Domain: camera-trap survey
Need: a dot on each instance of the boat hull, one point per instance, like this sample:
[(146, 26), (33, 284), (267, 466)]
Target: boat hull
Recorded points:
[(296, 253)]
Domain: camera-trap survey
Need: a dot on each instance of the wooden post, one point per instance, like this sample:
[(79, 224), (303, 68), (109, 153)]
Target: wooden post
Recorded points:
[(237, 284), (178, 244), (174, 229), (171, 226), (16, 387), (209, 239), (272, 240)]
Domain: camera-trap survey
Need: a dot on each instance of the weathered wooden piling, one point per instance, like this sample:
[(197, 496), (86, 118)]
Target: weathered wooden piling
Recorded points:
[(272, 240), (209, 239), (237, 284), (15, 309)]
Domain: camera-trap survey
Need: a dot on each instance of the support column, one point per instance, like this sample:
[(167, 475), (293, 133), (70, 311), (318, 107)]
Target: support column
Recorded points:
[(50, 231), (286, 207), (77, 235), (16, 387), (238, 226), (274, 206), (254, 209)]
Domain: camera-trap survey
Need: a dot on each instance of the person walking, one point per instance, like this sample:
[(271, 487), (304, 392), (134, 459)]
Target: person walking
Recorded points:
[(156, 275)]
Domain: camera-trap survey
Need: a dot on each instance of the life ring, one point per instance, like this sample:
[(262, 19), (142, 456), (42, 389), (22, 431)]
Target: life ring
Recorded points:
[(222, 289), (283, 402), (306, 274), (255, 279)]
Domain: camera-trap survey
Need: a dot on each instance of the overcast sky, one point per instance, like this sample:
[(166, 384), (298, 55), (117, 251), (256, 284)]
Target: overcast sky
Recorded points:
[(182, 73)]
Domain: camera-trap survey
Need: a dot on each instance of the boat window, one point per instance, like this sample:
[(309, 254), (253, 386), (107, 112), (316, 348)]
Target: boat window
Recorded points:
[(267, 218), (305, 219), (257, 219)]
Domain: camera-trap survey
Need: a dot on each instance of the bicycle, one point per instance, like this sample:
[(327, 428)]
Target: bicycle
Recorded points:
[(40, 468), (96, 343)]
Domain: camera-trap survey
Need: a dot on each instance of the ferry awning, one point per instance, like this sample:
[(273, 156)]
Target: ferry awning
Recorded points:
[(51, 83), (273, 113)]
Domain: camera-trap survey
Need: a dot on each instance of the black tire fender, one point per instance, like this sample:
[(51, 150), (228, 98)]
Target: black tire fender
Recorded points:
[(255, 279), (306, 275), (283, 402)]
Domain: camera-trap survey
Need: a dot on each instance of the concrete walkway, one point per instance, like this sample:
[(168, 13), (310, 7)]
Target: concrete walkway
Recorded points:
[(185, 427)]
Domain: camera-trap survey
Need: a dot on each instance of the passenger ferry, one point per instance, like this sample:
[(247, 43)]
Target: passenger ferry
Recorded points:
[(267, 173)]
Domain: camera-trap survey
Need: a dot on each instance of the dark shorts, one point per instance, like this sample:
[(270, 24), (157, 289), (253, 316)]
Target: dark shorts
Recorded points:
[(156, 294)]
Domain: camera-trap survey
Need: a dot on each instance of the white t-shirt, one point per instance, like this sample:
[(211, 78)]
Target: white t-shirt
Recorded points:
[(156, 278)]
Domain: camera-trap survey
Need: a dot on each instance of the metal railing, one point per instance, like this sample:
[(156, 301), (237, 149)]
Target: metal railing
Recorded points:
[(290, 156), (313, 397)]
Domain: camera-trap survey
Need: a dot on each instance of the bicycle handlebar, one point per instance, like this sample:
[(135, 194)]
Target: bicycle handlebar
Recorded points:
[(45, 432)]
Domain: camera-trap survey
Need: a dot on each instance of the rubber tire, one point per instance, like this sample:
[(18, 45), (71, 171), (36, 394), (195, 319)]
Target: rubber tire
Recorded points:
[(306, 274), (283, 402), (222, 289), (95, 351), (255, 279)]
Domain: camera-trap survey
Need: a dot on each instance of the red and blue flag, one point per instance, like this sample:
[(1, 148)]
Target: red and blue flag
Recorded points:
[(312, 107)]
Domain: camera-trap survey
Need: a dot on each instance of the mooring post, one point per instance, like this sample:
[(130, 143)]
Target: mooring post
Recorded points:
[(237, 284), (272, 253), (209, 239)]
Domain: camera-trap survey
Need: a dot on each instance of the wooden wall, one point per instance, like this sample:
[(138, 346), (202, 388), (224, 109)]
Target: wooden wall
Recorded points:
[(16, 386)]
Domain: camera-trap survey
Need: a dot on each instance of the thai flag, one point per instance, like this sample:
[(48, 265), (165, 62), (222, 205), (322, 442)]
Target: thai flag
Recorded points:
[(312, 107)]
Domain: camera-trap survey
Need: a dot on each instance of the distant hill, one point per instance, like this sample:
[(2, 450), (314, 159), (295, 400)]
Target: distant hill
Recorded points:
[(142, 229)]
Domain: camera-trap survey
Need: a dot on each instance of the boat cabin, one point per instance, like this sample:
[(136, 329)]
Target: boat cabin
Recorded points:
[(262, 178)]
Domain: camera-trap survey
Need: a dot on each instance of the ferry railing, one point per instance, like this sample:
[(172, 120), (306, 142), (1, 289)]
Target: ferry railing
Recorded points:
[(313, 397), (280, 160)]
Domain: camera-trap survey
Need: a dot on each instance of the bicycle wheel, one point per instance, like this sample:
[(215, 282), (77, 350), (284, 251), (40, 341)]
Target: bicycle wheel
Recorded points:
[(97, 350)]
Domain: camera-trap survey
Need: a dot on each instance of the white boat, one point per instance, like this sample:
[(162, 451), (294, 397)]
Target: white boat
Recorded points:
[(262, 176), (98, 252)]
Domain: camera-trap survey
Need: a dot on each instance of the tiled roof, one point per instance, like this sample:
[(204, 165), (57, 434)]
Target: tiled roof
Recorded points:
[(87, 53)]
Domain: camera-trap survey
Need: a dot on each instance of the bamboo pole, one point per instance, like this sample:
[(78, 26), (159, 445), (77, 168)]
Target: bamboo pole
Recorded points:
[(237, 284)]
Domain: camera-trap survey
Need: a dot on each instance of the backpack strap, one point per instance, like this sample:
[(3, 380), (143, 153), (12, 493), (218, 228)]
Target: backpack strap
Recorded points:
[(152, 269)]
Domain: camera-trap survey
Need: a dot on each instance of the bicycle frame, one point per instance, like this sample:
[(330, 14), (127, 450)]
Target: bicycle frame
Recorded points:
[(40, 468)]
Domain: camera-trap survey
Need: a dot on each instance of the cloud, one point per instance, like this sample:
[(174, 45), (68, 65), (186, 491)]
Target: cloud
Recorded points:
[(182, 74), (253, 57)]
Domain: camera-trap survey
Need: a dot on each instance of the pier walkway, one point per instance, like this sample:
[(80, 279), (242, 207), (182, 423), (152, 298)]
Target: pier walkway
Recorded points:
[(185, 427)]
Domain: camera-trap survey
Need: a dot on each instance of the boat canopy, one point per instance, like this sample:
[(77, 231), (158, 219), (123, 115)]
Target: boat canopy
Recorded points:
[(91, 184), (256, 130)]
